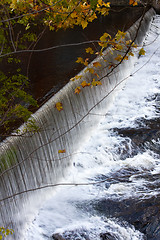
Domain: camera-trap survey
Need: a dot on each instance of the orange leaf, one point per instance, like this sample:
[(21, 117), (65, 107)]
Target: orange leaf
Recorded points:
[(77, 90), (62, 151), (59, 106), (91, 70), (96, 64), (85, 84), (119, 57), (96, 75), (133, 2), (86, 62)]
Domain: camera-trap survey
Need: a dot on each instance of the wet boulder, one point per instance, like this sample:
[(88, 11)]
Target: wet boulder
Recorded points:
[(57, 236), (107, 236), (143, 214)]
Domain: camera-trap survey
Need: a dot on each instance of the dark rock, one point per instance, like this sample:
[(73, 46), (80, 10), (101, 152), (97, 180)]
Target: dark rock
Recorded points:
[(144, 214), (71, 235), (107, 236), (57, 236)]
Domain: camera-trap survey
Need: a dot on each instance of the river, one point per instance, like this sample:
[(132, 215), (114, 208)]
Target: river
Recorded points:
[(122, 157)]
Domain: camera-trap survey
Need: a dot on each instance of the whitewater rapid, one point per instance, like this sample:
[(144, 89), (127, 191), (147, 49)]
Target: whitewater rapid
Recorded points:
[(111, 158)]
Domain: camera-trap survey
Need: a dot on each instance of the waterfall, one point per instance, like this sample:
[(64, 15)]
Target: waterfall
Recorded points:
[(32, 162)]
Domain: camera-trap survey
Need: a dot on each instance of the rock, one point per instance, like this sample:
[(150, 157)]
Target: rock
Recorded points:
[(57, 236), (107, 236), (143, 214), (71, 235)]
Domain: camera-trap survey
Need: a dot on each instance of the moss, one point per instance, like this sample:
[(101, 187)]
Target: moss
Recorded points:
[(8, 159)]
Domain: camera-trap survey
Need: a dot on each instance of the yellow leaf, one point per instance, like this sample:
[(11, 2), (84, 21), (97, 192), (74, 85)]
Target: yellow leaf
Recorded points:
[(131, 54), (76, 78), (142, 52), (77, 90), (100, 2), (93, 16), (96, 75), (91, 70), (62, 151), (107, 4), (120, 35), (104, 11), (84, 24), (128, 42), (118, 47), (74, 15), (85, 84), (59, 106), (104, 37), (96, 64), (89, 50), (95, 83), (80, 60), (134, 45)]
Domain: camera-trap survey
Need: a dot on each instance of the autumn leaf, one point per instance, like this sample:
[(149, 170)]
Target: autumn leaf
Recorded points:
[(107, 4), (95, 83), (96, 75), (96, 64), (128, 42), (104, 37), (85, 84), (133, 2), (59, 106), (80, 60), (118, 58), (86, 62), (102, 3), (62, 151), (120, 35), (118, 47), (74, 15), (131, 54), (76, 78), (126, 58), (104, 40), (89, 50), (84, 24), (77, 90), (142, 52), (91, 70)]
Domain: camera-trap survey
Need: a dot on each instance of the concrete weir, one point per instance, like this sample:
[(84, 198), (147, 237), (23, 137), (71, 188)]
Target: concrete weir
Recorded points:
[(32, 162)]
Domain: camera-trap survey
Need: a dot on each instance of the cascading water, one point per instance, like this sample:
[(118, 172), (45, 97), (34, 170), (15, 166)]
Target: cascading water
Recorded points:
[(118, 168), (30, 163)]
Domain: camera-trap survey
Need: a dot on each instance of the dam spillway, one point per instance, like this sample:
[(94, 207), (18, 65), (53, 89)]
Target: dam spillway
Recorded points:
[(33, 162)]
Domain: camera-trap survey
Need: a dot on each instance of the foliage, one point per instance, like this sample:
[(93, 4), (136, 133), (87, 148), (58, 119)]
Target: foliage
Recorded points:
[(118, 44), (17, 20), (4, 232)]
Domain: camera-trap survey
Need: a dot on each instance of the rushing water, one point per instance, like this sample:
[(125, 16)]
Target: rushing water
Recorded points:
[(122, 157)]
